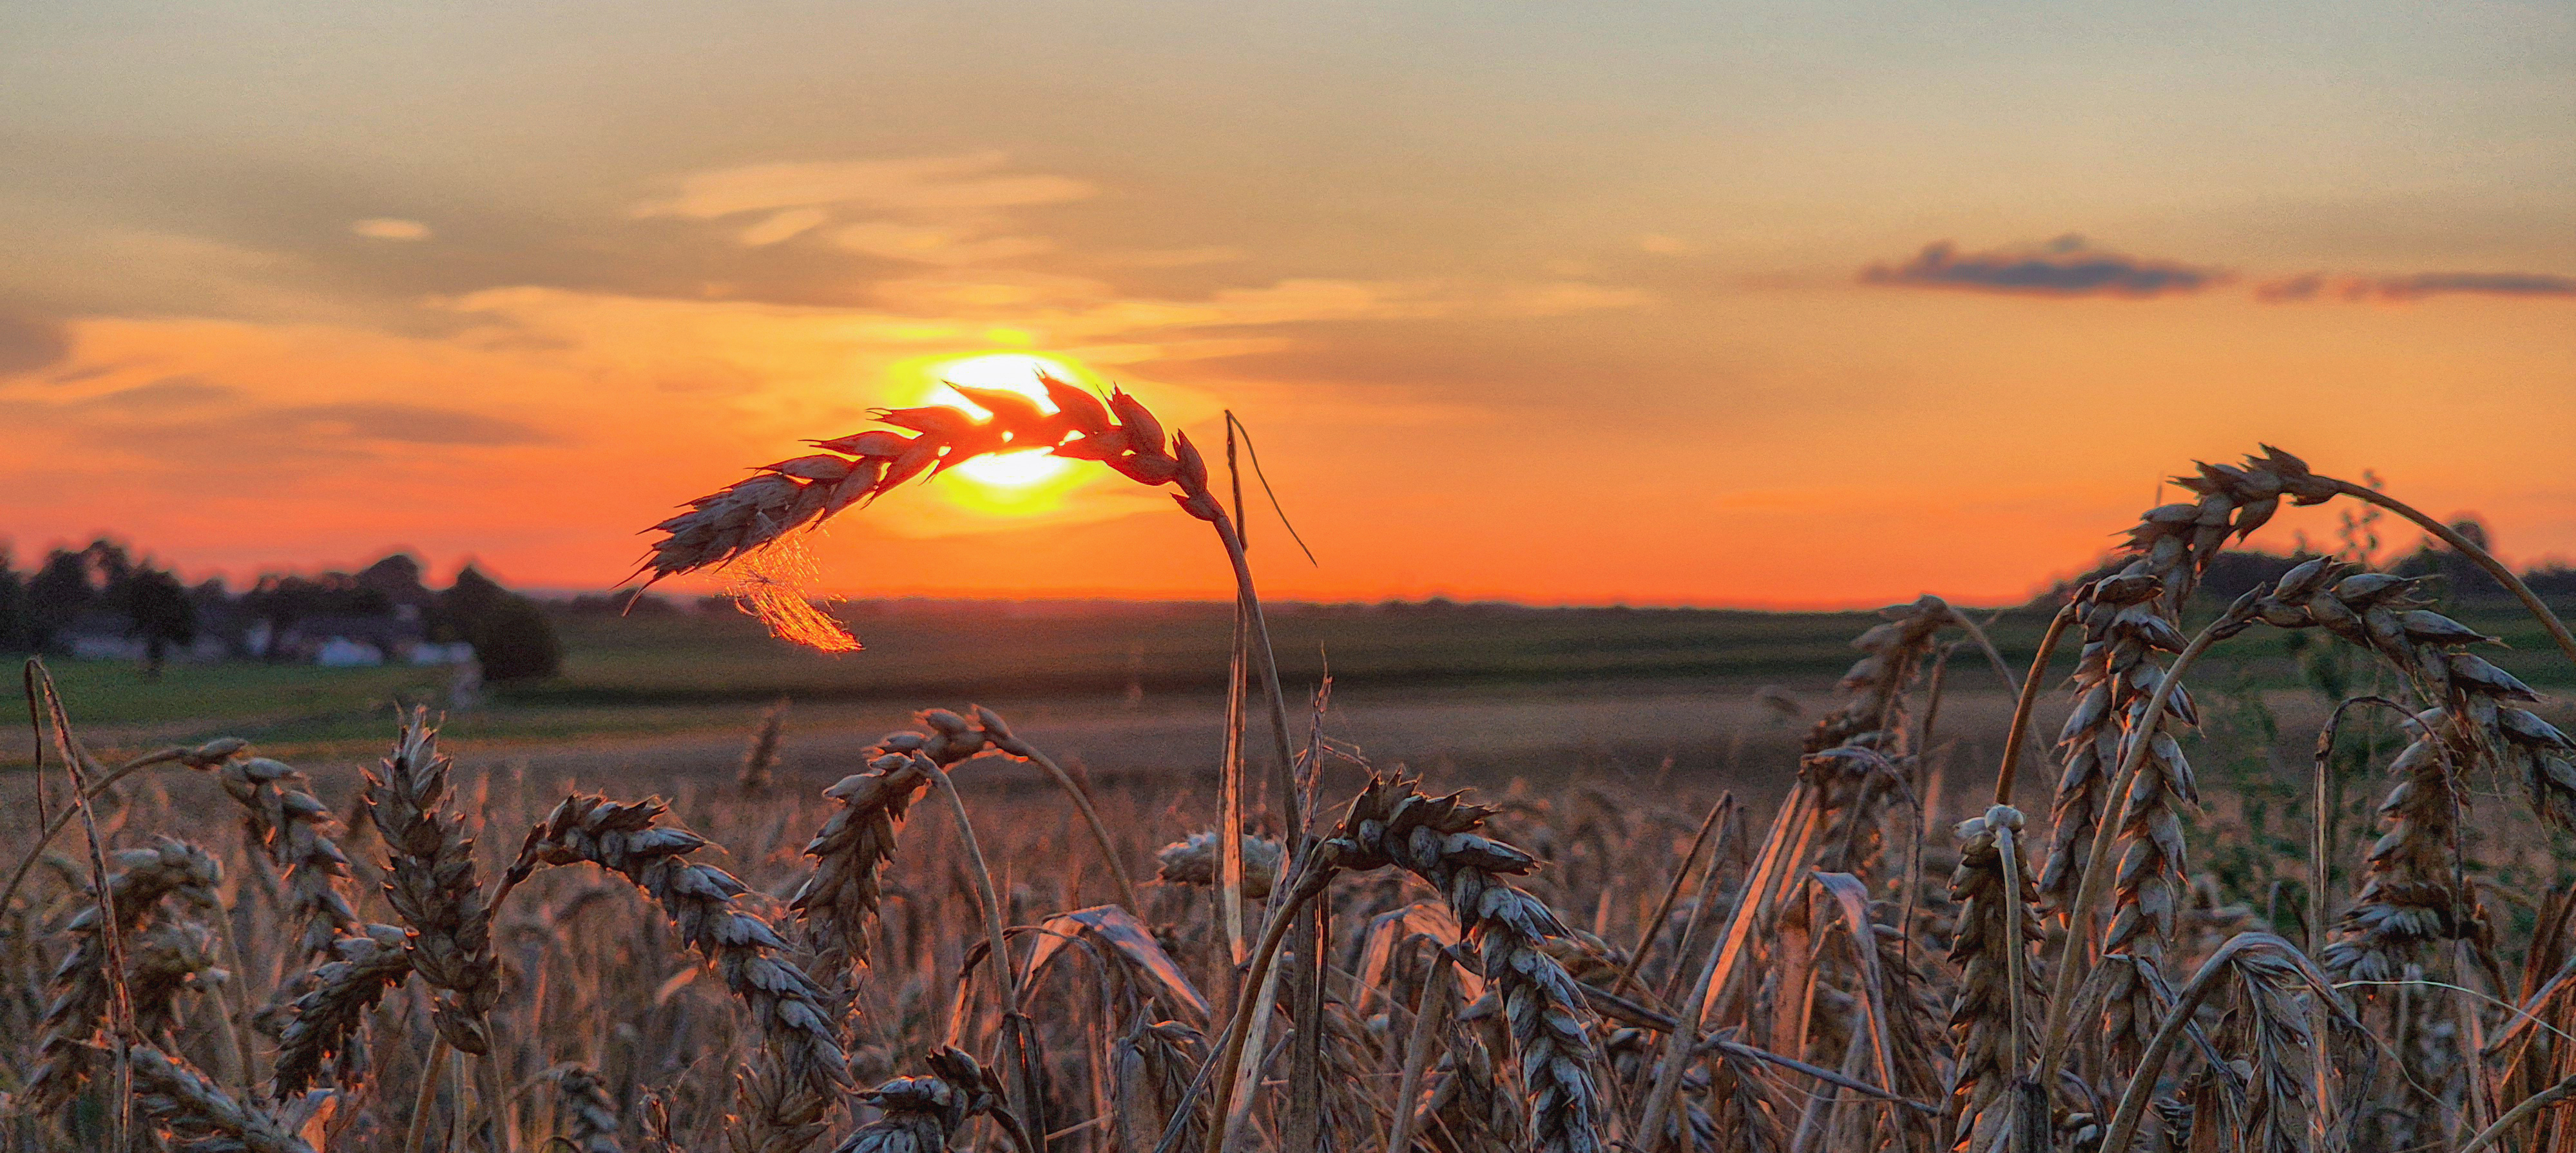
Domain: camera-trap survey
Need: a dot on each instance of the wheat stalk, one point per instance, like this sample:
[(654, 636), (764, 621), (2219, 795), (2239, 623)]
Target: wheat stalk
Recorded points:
[(922, 1114), (845, 893), (1193, 861), (85, 983), (200, 1115), (338, 995), (430, 882), (295, 829), (1437, 839), (762, 754), (628, 839), (201, 758), (2000, 982), (585, 1112)]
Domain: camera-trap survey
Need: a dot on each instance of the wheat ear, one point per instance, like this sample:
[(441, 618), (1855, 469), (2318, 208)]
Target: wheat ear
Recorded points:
[(1437, 839), (922, 1114), (296, 830), (842, 897), (326, 1017), (85, 983), (1999, 976), (628, 839), (1193, 861), (430, 881), (761, 755), (201, 1116), (584, 1111)]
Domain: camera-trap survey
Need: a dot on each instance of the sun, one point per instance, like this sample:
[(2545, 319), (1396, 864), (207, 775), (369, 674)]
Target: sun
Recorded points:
[(1028, 480)]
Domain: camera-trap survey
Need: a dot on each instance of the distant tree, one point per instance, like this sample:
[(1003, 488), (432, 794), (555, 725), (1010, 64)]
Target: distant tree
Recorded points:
[(515, 642), (397, 579), (282, 599), (2455, 577), (162, 614), (56, 595), (512, 637), (13, 606)]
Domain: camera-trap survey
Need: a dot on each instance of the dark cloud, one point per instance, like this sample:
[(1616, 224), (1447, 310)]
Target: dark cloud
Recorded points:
[(28, 344), (404, 423), (2066, 266), (2317, 286)]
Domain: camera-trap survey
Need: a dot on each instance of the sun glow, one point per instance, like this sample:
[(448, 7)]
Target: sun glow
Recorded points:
[(1027, 481)]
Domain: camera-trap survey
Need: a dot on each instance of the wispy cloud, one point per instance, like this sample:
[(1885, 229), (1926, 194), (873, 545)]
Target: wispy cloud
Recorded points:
[(186, 390), (2318, 286), (390, 228), (404, 424), (974, 180), (942, 210), (2065, 267)]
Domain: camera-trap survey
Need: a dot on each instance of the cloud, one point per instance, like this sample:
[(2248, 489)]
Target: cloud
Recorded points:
[(973, 181), (390, 228), (2316, 286), (783, 225), (933, 243), (402, 424), (1172, 257), (938, 210), (28, 344), (2064, 267), (183, 391)]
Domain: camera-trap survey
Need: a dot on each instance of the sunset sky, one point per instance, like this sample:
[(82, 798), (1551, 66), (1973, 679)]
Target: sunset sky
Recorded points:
[(1688, 303)]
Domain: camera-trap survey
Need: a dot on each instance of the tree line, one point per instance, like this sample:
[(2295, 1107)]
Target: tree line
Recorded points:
[(105, 587)]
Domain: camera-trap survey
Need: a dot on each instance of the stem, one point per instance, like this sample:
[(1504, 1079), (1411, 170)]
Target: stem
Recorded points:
[(236, 1010), (2079, 914), (1305, 981), (2007, 850), (161, 757), (1260, 633), (1993, 656), (2480, 556), (1647, 933), (1312, 883), (461, 1118), (1717, 972), (1090, 816), (1009, 986), (1417, 1052), (2029, 701), (120, 1004), (2142, 1081), (425, 1100), (2520, 1113), (2322, 827)]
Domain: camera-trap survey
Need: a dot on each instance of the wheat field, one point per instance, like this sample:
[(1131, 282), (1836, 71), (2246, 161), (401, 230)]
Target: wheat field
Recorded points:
[(964, 944)]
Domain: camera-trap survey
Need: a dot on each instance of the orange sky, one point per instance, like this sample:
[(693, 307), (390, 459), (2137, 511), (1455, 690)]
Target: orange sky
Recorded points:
[(1746, 304)]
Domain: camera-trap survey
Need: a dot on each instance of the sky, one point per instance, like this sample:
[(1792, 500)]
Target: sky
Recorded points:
[(1795, 304)]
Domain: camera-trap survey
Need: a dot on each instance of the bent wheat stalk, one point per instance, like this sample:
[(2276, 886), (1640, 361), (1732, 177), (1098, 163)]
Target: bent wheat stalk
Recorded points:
[(628, 839)]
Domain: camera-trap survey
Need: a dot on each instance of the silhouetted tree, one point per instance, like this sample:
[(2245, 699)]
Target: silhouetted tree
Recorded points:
[(108, 559), (283, 599), (397, 577), (56, 595), (513, 639), (13, 606), (162, 615)]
